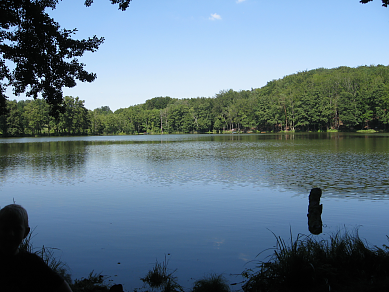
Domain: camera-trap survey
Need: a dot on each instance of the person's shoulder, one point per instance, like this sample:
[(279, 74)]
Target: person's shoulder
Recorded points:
[(27, 254), (37, 266), (34, 272), (30, 257)]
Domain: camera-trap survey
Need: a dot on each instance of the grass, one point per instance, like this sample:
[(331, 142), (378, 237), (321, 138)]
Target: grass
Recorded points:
[(93, 283), (159, 279), (212, 283), (48, 256), (369, 131), (342, 263)]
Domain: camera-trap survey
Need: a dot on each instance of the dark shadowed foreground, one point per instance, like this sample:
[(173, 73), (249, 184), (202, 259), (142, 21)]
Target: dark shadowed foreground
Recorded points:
[(342, 263)]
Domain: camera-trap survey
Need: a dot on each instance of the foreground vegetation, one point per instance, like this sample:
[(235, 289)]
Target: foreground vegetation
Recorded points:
[(342, 263), (317, 100)]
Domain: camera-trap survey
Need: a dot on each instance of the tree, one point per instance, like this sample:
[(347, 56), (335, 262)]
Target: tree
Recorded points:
[(74, 119), (96, 124), (36, 114), (158, 103), (384, 2), (348, 110), (15, 120), (104, 110), (45, 56)]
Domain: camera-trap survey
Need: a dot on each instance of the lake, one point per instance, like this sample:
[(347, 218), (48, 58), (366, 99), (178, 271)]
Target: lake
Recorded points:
[(210, 203)]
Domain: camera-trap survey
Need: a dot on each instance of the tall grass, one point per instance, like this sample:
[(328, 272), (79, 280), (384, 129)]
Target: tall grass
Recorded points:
[(159, 279), (48, 256), (342, 263), (94, 282), (212, 283)]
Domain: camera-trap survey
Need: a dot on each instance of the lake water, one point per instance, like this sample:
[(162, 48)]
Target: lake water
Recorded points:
[(210, 203)]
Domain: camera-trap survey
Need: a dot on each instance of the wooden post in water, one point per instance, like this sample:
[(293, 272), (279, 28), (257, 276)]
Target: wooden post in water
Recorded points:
[(315, 225)]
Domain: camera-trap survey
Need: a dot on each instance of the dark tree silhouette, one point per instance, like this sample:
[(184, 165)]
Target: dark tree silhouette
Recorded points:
[(384, 2), (36, 55)]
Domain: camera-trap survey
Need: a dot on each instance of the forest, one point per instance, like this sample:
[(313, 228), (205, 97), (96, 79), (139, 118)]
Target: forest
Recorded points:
[(338, 99)]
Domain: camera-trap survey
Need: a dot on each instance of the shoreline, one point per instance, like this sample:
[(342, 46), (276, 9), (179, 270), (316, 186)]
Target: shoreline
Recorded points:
[(304, 263)]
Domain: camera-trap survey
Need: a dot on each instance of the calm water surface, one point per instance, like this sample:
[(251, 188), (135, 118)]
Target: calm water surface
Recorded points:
[(210, 203)]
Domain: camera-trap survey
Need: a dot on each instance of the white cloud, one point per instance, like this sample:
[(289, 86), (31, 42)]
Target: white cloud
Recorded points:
[(215, 16), (240, 1)]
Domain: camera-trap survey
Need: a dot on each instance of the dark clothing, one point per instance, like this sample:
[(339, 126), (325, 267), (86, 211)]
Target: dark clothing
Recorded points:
[(27, 272)]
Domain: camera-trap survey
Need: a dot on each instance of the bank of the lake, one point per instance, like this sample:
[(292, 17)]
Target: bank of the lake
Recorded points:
[(305, 263)]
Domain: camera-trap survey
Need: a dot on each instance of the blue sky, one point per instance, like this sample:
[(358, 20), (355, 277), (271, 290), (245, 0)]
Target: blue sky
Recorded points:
[(188, 48)]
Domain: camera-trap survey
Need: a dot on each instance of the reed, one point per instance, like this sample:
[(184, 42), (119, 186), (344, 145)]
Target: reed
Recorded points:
[(211, 283), (343, 262), (159, 279), (94, 282), (48, 256)]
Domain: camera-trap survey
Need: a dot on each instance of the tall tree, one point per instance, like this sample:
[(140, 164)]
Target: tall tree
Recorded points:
[(45, 56), (37, 115), (15, 119), (384, 2), (348, 109)]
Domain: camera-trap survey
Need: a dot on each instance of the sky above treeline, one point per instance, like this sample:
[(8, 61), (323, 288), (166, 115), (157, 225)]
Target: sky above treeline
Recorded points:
[(188, 48)]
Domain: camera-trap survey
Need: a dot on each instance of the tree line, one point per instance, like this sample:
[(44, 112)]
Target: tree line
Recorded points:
[(37, 56), (342, 98)]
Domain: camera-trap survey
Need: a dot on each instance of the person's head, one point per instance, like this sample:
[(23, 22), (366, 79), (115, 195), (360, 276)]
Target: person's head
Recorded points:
[(13, 228)]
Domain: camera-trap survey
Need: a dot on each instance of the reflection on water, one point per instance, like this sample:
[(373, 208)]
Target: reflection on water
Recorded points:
[(341, 164), (208, 200), (58, 161)]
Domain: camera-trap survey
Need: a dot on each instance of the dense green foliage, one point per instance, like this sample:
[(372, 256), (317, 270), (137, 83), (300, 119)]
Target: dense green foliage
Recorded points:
[(31, 117), (384, 2), (317, 100), (45, 57)]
